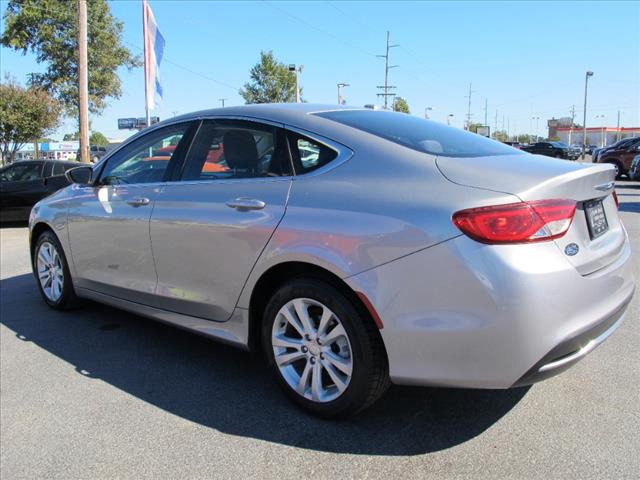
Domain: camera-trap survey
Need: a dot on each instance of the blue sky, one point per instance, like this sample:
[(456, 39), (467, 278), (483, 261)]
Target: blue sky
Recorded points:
[(528, 59)]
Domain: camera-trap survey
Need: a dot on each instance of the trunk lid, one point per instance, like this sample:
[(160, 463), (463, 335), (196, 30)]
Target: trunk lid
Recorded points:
[(535, 177)]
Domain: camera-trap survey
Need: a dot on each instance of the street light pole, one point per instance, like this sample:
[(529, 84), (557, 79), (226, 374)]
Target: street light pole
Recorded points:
[(426, 112), (340, 86), (584, 118), (297, 70), (536, 119), (449, 118)]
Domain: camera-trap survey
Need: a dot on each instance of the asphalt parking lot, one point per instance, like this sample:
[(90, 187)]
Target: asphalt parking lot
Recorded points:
[(100, 393)]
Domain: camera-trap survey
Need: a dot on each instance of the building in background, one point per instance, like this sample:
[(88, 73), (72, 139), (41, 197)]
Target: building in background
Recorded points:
[(600, 136), (555, 123), (49, 151)]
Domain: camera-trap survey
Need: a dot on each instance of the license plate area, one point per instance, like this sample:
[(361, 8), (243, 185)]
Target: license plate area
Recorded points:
[(596, 218)]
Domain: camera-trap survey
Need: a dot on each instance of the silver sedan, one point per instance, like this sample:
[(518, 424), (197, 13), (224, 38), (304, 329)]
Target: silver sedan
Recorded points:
[(354, 247)]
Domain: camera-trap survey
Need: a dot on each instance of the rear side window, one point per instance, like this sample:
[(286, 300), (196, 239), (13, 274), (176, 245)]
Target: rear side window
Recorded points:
[(308, 154), (419, 134), (60, 168)]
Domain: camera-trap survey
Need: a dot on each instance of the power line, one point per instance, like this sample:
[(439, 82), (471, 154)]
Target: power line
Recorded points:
[(187, 69), (316, 28)]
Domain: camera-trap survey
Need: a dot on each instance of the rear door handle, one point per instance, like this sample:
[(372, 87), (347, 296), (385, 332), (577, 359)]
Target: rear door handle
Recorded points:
[(138, 201), (245, 204)]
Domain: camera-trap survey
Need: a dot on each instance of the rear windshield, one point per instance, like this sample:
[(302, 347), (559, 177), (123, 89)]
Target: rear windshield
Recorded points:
[(420, 134)]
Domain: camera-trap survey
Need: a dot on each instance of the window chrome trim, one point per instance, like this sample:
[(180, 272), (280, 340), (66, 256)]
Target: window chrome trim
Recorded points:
[(229, 180)]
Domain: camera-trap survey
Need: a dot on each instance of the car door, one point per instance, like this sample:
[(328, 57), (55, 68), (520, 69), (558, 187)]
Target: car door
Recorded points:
[(628, 155), (108, 221), (21, 186), (210, 225)]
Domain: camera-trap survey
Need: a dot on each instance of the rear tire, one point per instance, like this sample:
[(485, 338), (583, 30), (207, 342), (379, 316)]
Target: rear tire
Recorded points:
[(325, 354), (52, 274)]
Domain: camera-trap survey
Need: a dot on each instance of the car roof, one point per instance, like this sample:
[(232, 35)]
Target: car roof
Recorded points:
[(273, 111)]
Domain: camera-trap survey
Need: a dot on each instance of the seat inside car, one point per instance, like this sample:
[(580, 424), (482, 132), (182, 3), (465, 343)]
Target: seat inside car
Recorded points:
[(241, 153)]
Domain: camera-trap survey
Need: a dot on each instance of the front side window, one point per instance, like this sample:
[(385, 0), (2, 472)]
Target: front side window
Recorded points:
[(146, 159), (227, 149), (22, 173), (419, 134)]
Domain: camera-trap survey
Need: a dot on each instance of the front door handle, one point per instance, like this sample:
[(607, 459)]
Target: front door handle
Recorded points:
[(138, 201), (245, 204)]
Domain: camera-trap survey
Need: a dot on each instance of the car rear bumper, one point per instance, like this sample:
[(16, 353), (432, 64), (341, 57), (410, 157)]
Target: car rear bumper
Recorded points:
[(463, 314), (573, 349)]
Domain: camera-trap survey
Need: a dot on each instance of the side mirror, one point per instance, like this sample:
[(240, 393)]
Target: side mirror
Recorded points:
[(80, 175)]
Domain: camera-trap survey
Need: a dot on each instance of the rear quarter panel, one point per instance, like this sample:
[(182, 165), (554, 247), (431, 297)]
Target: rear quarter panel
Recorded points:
[(386, 202)]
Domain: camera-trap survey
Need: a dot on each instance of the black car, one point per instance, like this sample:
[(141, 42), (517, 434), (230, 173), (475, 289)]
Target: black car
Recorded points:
[(22, 184), (552, 149)]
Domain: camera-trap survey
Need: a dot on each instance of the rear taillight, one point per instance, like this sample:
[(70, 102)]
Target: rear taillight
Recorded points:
[(615, 197), (517, 222)]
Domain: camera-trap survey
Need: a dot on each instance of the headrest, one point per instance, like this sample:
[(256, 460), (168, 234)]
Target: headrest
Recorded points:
[(240, 150)]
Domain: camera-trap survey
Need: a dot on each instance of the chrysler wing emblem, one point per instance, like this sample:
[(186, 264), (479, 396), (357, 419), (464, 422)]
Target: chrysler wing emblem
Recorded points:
[(605, 186)]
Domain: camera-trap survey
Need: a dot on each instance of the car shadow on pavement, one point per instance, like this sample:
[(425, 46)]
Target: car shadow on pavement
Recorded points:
[(232, 391)]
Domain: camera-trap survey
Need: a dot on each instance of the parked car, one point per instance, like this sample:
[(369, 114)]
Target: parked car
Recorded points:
[(355, 247), (621, 156), (22, 184), (95, 153), (634, 171), (516, 145), (619, 144), (552, 149)]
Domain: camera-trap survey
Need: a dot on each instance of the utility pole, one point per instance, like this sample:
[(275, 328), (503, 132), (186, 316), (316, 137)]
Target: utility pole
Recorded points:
[(573, 116), (83, 82), (340, 87), (221, 100), (584, 121), (618, 128), (469, 107), (485, 111), (495, 124), (386, 87)]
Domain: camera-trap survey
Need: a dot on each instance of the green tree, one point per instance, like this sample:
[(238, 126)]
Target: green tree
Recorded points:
[(98, 139), (270, 82), (524, 138), (69, 137), (473, 127), (26, 114), (500, 135), (400, 105), (48, 28)]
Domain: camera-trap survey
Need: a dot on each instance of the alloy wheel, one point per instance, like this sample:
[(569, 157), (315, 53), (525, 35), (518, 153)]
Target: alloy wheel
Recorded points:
[(312, 350), (50, 271)]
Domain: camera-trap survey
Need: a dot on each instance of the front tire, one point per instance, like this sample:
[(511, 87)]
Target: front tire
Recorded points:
[(325, 353), (52, 274)]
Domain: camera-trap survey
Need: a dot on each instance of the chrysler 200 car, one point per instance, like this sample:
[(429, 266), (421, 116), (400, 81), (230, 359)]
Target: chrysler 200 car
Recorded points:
[(354, 247)]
